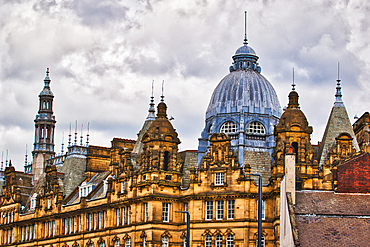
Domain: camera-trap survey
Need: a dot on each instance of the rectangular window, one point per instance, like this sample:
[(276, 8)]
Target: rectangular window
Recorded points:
[(263, 210), (49, 223), (118, 214), (26, 232), (79, 223), (95, 220), (45, 229), (100, 220), (219, 178), (128, 215), (209, 210), (145, 212), (165, 212), (186, 208), (122, 186), (90, 222), (105, 219), (230, 209), (22, 233), (74, 224), (123, 216), (70, 225), (53, 228), (65, 226), (219, 210)]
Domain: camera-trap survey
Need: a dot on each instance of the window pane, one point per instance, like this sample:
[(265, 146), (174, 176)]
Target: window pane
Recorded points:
[(209, 210), (220, 210), (228, 127), (230, 209)]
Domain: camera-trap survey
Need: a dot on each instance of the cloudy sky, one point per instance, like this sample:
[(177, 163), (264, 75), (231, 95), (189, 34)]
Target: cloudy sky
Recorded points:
[(104, 54)]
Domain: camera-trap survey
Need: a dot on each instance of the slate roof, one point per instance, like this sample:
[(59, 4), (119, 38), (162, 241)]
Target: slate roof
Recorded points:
[(332, 219), (338, 123)]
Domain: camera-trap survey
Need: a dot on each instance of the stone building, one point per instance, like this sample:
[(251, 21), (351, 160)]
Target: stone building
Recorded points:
[(129, 194)]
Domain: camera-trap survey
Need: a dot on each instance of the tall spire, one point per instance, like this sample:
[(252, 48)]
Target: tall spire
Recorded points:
[(338, 94), (2, 161), (151, 115), (245, 29)]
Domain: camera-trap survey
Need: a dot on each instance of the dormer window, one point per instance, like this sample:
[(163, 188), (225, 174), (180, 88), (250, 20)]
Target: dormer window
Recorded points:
[(229, 127), (85, 189), (219, 178)]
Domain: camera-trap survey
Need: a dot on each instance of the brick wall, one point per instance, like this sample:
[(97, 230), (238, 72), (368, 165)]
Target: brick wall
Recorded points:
[(354, 175)]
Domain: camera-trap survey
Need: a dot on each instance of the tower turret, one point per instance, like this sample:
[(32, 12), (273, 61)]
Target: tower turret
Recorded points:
[(43, 147)]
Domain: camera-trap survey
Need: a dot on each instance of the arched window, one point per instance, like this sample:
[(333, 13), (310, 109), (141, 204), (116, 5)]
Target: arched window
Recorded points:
[(208, 241), (117, 244), (128, 243), (228, 127), (165, 242), (218, 240), (256, 128), (230, 241)]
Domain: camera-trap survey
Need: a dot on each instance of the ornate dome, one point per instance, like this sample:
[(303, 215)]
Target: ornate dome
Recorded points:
[(244, 89)]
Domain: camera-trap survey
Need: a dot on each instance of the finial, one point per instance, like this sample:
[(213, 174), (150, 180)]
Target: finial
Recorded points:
[(75, 143), (151, 115), (88, 134), (293, 85), (6, 158), (162, 96), (25, 158), (2, 161), (338, 94), (81, 137), (62, 149), (70, 135), (245, 29), (47, 72)]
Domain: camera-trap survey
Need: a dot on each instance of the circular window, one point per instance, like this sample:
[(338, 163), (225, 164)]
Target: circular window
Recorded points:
[(256, 128), (228, 127)]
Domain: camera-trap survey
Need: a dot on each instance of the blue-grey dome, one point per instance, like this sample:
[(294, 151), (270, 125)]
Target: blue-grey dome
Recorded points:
[(245, 50), (244, 90)]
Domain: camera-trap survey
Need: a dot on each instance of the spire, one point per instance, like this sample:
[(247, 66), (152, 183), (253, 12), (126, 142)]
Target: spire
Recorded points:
[(151, 115), (293, 85), (245, 29), (6, 158), (338, 94), (88, 134)]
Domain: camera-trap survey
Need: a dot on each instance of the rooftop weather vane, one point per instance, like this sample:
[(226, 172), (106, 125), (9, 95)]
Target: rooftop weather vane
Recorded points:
[(245, 29)]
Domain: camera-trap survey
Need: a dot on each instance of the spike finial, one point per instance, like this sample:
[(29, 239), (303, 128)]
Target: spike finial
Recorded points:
[(293, 84), (162, 96), (25, 157), (88, 134), (75, 143), (338, 94), (47, 72), (81, 137), (62, 149), (151, 115), (2, 160), (245, 29), (70, 134)]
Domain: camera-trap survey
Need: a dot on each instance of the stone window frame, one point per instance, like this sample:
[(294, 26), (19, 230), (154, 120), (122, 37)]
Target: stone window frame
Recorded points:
[(219, 178), (166, 211), (209, 210), (230, 209), (220, 207)]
